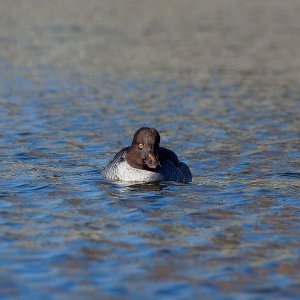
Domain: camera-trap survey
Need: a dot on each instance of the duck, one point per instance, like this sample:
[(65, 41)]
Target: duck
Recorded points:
[(145, 161)]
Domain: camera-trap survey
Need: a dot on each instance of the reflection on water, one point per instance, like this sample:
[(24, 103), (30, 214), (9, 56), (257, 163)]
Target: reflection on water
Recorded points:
[(233, 232)]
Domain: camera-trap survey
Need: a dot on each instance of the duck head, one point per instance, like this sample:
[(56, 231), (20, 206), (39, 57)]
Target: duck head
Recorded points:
[(143, 152)]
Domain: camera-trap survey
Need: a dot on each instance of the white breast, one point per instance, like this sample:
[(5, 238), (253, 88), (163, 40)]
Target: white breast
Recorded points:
[(123, 172)]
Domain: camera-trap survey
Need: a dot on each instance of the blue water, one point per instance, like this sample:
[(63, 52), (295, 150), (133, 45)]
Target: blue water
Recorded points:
[(65, 231)]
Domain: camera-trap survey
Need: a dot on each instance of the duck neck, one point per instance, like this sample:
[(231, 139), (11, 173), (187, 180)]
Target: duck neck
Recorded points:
[(134, 160)]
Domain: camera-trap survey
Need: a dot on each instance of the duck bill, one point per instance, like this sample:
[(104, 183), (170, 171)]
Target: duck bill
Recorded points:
[(152, 161)]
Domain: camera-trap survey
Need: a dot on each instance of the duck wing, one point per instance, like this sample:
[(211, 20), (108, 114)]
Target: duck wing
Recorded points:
[(110, 169), (171, 168), (119, 156), (167, 154)]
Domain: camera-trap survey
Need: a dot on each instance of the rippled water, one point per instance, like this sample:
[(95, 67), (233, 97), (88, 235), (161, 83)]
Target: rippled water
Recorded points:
[(232, 232)]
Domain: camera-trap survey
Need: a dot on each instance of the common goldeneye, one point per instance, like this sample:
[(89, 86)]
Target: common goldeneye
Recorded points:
[(146, 161)]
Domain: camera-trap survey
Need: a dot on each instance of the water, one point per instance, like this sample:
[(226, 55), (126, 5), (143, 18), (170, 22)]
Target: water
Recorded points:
[(65, 231)]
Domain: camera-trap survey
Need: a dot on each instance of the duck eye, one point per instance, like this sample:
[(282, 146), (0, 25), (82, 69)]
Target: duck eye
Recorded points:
[(141, 146)]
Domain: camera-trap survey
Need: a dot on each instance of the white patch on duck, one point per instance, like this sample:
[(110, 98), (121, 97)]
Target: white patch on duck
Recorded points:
[(122, 171)]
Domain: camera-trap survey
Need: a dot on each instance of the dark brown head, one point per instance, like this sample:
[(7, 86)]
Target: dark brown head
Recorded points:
[(143, 151)]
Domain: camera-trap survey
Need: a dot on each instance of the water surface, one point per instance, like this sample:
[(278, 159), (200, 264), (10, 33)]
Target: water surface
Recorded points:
[(65, 231)]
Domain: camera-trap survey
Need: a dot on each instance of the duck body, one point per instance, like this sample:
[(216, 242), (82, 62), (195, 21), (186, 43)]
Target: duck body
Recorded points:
[(144, 161), (119, 170)]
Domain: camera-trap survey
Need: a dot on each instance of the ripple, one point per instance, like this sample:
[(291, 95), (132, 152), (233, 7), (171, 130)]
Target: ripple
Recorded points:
[(67, 230), (290, 175)]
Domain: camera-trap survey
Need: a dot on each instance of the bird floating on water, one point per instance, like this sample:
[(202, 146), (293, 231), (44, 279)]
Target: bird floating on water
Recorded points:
[(146, 161)]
